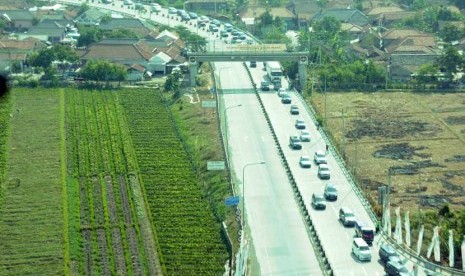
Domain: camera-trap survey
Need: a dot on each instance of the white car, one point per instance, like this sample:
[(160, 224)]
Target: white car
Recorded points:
[(323, 171), (305, 136), (282, 91), (305, 161), (128, 2), (172, 10), (300, 124), (320, 157)]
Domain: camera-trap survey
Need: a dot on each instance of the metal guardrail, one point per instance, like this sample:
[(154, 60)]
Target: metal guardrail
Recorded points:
[(323, 261), (406, 252)]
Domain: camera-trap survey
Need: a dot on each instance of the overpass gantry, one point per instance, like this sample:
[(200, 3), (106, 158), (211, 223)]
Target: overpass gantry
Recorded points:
[(242, 53)]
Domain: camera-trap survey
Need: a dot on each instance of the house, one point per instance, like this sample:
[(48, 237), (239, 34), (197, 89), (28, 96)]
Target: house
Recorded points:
[(158, 63), (215, 6), (402, 66), (18, 20), (394, 37), (136, 72), (53, 31), (16, 51), (254, 11), (91, 17), (135, 25), (303, 10), (352, 16), (386, 16), (175, 51), (122, 51)]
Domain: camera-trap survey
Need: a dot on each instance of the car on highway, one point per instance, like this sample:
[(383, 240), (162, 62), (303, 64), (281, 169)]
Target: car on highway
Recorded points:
[(323, 171), (193, 15), (127, 2), (228, 27), (282, 91), (212, 28), (139, 6), (253, 64), (155, 8), (242, 36), (204, 19), (265, 86), (185, 17), (364, 231), (347, 217), (320, 157), (393, 268), (300, 124), (294, 110), (388, 253), (305, 136), (235, 32), (294, 142), (286, 99), (330, 192), (216, 22), (172, 10), (361, 250), (305, 161), (224, 33), (318, 201)]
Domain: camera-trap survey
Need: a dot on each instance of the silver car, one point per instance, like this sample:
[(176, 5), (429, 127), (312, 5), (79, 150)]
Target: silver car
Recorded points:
[(330, 192), (305, 136), (300, 124), (320, 157), (323, 171), (305, 161)]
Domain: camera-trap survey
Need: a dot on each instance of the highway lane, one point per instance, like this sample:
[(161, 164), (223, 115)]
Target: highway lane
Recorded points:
[(336, 239), (281, 245)]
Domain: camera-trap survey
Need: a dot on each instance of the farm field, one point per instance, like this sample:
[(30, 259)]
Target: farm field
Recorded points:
[(99, 183), (190, 240), (31, 218), (107, 216), (418, 138)]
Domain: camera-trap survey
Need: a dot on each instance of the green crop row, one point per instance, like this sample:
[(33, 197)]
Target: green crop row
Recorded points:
[(99, 160), (189, 238)]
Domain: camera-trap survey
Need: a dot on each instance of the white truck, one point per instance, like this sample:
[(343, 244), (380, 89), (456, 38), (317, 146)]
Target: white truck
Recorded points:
[(274, 71)]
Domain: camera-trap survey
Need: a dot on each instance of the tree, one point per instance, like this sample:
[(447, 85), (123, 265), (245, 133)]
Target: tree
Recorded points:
[(450, 33), (458, 3), (88, 35), (102, 70), (173, 84), (450, 62), (82, 9), (43, 58), (427, 74)]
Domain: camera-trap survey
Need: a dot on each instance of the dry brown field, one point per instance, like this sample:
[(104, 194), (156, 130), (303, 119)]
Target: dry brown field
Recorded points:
[(418, 137)]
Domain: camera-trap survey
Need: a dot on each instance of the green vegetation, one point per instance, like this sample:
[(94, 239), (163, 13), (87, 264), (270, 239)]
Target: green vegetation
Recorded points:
[(31, 218), (5, 111), (189, 238), (106, 220)]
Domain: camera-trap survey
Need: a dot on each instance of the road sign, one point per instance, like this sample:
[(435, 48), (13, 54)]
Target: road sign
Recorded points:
[(232, 201), (215, 165), (192, 59), (208, 104)]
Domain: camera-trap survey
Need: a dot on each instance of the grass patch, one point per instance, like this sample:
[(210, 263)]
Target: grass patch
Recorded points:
[(31, 220)]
